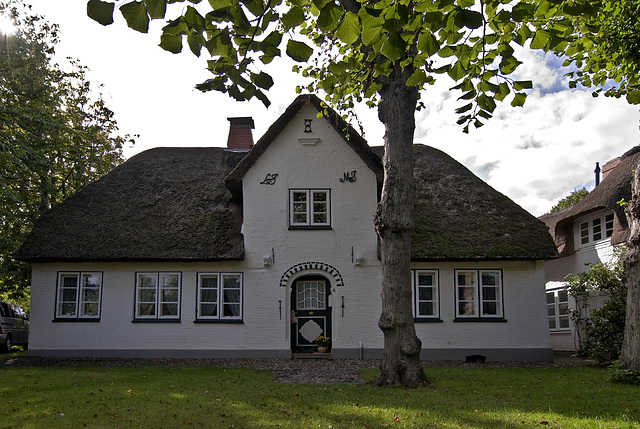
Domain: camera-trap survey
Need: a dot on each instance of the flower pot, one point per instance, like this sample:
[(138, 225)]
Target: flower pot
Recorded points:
[(323, 349)]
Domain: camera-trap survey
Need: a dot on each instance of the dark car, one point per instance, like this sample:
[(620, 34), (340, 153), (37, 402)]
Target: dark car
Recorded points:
[(14, 326)]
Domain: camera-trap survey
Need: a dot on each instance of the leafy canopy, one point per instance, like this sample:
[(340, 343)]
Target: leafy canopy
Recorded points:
[(573, 198), (54, 138)]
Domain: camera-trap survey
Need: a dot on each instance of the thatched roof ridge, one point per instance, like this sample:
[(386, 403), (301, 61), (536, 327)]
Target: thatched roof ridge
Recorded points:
[(359, 145), (460, 217), (615, 187), (162, 204)]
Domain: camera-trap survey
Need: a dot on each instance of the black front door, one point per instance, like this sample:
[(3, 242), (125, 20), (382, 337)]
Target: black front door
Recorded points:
[(310, 313)]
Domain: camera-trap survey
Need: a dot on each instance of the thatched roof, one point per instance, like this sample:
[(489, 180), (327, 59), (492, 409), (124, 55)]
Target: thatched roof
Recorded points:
[(171, 204), (162, 204), (460, 217), (615, 187), (350, 136)]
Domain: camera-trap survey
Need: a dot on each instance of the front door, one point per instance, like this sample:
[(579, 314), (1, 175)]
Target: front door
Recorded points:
[(310, 313)]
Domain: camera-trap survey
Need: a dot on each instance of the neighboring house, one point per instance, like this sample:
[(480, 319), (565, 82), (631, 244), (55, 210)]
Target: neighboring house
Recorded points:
[(584, 234), (214, 252)]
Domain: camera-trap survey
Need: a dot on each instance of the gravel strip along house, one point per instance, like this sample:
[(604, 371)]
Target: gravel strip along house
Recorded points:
[(253, 251)]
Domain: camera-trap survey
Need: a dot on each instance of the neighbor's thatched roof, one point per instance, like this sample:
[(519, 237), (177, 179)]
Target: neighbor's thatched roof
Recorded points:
[(162, 204), (350, 136), (615, 187), (460, 217)]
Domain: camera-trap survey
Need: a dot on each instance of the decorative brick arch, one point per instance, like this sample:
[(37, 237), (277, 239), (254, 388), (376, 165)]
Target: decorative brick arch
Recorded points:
[(333, 271)]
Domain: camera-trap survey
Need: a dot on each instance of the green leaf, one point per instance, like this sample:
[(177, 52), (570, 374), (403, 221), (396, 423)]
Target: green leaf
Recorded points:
[(457, 72), (471, 18), (419, 77), (135, 13), (100, 11), (329, 17), (371, 35), (522, 84), (428, 43), (171, 43), (349, 29), (464, 108), (262, 79), (156, 8), (509, 64), (299, 51), (393, 47), (633, 97), (195, 42), (522, 12), (293, 18), (518, 99), (541, 39)]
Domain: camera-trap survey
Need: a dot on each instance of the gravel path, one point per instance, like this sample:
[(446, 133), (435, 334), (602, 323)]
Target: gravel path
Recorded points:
[(299, 371)]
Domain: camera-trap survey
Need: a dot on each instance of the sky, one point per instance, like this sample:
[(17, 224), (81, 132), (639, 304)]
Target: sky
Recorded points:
[(535, 155)]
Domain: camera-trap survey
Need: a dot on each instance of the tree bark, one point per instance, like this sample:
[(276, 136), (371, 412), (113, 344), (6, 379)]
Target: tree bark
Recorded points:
[(394, 222), (630, 354)]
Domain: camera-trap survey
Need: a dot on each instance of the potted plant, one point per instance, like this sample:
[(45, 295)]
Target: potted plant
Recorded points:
[(323, 344)]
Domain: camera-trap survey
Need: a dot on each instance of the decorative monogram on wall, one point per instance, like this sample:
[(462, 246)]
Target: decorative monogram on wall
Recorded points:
[(349, 177), (270, 179), (307, 126)]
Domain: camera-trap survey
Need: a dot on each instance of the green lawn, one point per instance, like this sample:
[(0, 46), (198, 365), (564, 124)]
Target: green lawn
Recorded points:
[(181, 397)]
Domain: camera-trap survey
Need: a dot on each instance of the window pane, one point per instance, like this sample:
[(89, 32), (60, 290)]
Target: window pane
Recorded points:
[(299, 218), (466, 293), (209, 310), (489, 279), (90, 309), (209, 295), (584, 233), (231, 296), (608, 224), (68, 309), (69, 294), (209, 282), (147, 295), (70, 281), (563, 296), (231, 310), (564, 322), (466, 309), (299, 196), (597, 229), (145, 280), (425, 309), (489, 293), (490, 308), (169, 309), (552, 323), (551, 310), (170, 280), (146, 309), (320, 196), (425, 293), (425, 279), (170, 295), (550, 298), (320, 218)]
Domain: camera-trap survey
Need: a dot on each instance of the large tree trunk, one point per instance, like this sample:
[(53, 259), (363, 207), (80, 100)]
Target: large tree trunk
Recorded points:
[(394, 222), (630, 354)]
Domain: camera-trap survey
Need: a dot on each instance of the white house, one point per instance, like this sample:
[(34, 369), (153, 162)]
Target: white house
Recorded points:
[(586, 234), (224, 252)]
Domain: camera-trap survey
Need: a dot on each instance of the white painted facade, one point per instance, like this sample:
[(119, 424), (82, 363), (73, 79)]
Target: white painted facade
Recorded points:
[(594, 252), (275, 257)]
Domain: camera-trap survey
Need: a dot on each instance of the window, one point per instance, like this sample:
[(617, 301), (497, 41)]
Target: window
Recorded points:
[(158, 296), (478, 294), (558, 310), (309, 208), (425, 294), (595, 229), (78, 295), (219, 296)]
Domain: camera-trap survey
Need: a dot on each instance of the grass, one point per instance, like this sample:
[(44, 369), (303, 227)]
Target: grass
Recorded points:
[(179, 397)]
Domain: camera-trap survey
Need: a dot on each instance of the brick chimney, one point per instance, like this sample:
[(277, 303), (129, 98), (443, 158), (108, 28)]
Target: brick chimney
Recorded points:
[(240, 135)]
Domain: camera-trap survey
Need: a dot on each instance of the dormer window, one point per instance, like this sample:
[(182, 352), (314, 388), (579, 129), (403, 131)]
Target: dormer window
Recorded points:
[(595, 229), (309, 208)]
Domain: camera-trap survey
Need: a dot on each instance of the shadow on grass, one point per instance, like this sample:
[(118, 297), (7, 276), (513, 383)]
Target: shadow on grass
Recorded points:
[(219, 398)]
